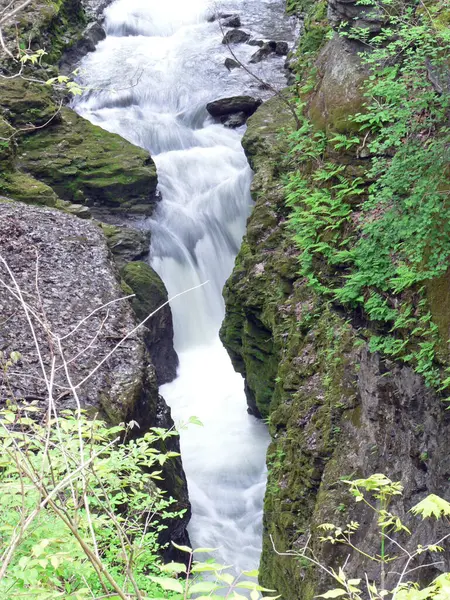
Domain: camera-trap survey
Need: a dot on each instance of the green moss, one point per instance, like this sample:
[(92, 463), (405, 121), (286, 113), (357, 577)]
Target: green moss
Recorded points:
[(24, 188), (23, 103), (84, 164), (146, 284)]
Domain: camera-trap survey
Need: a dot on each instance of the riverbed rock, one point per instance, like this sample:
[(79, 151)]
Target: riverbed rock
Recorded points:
[(235, 36), (224, 107), (269, 48), (259, 43), (231, 21), (231, 64), (235, 120)]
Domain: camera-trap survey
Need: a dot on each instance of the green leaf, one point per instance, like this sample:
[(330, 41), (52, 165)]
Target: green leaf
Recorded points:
[(226, 577), (432, 505), (168, 584), (253, 573), (333, 593), (173, 567), (182, 548), (203, 587)]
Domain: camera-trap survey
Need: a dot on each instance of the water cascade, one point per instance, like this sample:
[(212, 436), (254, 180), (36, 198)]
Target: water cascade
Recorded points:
[(149, 81)]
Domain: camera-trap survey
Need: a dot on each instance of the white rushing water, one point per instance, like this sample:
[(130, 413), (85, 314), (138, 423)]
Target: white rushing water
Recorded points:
[(150, 80)]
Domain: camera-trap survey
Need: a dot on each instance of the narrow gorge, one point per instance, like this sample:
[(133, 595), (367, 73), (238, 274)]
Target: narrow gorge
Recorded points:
[(269, 182)]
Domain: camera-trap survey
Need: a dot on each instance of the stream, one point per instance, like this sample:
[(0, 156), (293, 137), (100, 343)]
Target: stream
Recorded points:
[(149, 80)]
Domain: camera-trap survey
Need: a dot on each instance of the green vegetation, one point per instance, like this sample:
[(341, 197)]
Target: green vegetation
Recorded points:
[(377, 492), (81, 513), (370, 210)]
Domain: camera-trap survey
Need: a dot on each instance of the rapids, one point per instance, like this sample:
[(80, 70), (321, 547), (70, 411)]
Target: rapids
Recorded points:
[(149, 81)]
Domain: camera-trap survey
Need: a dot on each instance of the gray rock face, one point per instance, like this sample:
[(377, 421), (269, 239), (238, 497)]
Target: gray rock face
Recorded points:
[(64, 270), (75, 278), (236, 104), (90, 37), (125, 243), (235, 36)]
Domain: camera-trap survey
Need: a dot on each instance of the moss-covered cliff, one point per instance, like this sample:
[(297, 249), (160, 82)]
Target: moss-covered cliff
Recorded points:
[(334, 408)]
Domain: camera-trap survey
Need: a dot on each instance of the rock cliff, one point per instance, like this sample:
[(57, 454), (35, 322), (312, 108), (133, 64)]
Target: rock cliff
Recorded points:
[(56, 168), (334, 409)]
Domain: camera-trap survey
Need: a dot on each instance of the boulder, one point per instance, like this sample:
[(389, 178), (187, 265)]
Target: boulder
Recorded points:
[(235, 120), (231, 64), (224, 107), (261, 54), (235, 36), (75, 279), (282, 48), (259, 43), (232, 21), (269, 48)]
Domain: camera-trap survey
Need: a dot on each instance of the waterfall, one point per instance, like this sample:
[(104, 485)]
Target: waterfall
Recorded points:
[(149, 81)]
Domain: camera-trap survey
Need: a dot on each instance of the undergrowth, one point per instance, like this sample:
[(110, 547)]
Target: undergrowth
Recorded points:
[(373, 235)]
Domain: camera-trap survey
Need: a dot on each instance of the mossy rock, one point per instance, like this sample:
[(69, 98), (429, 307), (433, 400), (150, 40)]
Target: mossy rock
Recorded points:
[(150, 295), (50, 25), (84, 164), (24, 188), (338, 93), (25, 104)]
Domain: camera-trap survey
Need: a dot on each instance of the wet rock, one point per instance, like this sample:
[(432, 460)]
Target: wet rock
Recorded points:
[(262, 54), (150, 294), (90, 37), (235, 36), (230, 106), (235, 120), (125, 243), (281, 48), (216, 16), (269, 48), (232, 21), (231, 64), (259, 43)]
